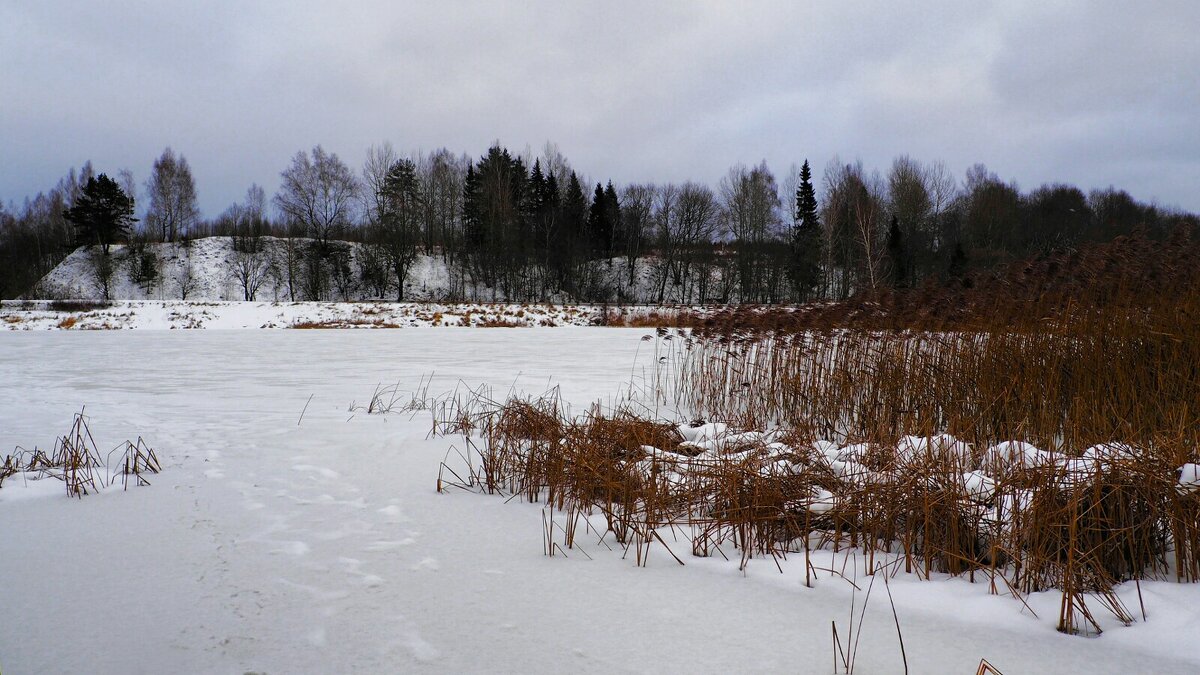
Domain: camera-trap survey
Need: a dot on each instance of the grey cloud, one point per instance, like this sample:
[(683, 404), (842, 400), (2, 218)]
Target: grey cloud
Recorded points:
[(1093, 93)]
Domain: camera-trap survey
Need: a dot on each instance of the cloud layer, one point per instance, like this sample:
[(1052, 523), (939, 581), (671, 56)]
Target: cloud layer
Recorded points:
[(1091, 93)]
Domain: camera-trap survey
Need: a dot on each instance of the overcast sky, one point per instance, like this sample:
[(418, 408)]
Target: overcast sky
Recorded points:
[(1090, 93)]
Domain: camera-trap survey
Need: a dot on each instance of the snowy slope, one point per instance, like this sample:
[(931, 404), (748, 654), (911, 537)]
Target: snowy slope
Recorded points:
[(204, 269), (209, 265), (291, 533)]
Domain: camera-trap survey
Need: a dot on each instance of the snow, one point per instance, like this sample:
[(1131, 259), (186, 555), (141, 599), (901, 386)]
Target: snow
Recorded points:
[(1189, 477), (209, 265), (194, 314), (271, 543)]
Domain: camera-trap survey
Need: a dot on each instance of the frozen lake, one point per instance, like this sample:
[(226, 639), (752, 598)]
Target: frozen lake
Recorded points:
[(271, 546)]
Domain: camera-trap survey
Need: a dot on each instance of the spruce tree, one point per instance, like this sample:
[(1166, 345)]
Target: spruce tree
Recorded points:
[(573, 237), (806, 238), (617, 244), (599, 227), (472, 227)]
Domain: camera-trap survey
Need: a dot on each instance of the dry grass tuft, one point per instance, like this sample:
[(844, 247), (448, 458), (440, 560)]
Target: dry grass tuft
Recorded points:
[(76, 461)]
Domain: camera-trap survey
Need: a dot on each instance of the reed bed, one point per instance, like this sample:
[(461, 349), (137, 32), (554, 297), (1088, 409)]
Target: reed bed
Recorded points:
[(1044, 437), (924, 505)]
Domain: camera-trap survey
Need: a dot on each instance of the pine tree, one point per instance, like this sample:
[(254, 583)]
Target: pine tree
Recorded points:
[(806, 238), (102, 214)]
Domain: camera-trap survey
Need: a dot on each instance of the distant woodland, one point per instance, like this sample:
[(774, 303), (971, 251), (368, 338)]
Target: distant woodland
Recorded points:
[(533, 228)]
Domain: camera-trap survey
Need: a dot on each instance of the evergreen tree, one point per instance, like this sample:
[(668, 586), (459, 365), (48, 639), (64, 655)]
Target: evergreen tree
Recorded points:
[(806, 238), (496, 239), (574, 213), (612, 205), (573, 238), (599, 225), (400, 209), (472, 227), (535, 192), (102, 214)]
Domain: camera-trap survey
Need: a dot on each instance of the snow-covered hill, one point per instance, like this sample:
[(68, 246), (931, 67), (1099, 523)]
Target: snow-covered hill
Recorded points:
[(212, 269)]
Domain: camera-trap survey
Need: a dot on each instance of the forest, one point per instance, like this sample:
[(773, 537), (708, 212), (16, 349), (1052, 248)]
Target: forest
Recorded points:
[(533, 228)]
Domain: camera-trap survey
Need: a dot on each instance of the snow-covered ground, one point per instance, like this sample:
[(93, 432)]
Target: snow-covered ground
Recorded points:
[(188, 314), (212, 269), (289, 533)]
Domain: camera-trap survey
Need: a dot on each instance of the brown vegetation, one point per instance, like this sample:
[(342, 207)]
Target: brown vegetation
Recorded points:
[(1098, 366), (76, 461)]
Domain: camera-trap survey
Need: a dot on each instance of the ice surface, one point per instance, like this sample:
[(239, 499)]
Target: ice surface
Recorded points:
[(268, 545)]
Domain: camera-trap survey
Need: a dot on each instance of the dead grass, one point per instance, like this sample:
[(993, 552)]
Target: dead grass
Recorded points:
[(344, 323), (1099, 370), (77, 306), (76, 461)]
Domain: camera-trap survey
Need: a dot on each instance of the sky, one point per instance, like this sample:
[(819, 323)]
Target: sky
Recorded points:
[(1094, 94)]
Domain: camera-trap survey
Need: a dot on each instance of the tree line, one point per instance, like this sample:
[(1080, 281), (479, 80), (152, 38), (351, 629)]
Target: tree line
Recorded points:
[(532, 228)]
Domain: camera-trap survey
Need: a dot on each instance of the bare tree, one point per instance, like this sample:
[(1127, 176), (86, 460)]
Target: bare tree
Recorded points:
[(256, 202), (173, 210), (554, 163), (837, 221), (287, 267), (186, 278), (441, 176), (943, 191), (750, 210), (318, 193), (910, 202), (128, 185), (374, 173), (103, 270), (789, 187), (250, 270), (687, 217), (870, 229), (853, 217), (943, 187), (637, 219)]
